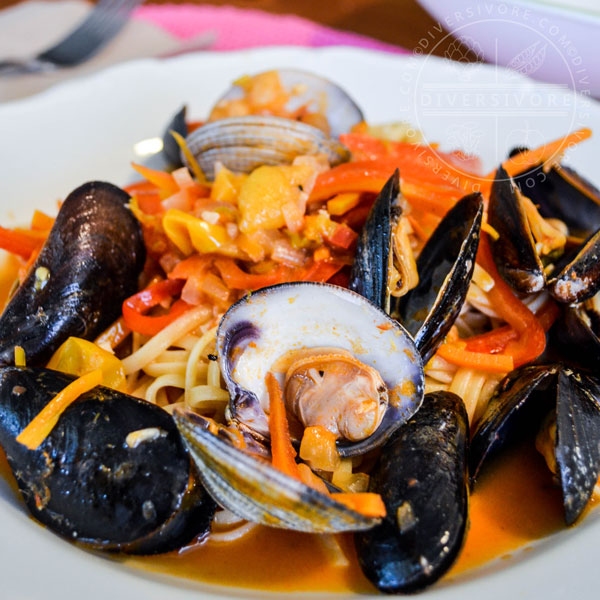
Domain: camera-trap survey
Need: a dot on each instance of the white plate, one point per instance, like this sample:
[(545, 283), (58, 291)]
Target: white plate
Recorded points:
[(86, 130)]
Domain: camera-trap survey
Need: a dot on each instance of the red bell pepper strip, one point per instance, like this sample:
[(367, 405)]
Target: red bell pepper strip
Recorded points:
[(415, 160), (495, 341), (371, 175), (531, 339), (320, 271), (135, 307)]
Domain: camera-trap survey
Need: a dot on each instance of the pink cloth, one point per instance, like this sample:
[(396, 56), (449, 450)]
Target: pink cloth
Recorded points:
[(237, 28)]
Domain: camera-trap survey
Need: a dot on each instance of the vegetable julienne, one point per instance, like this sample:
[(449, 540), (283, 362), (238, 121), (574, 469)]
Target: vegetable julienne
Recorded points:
[(35, 433), (211, 244)]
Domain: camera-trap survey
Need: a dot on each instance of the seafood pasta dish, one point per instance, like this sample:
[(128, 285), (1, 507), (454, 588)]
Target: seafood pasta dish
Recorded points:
[(317, 348)]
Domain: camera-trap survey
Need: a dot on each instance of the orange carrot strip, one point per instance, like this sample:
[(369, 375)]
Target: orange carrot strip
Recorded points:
[(114, 335), (22, 242), (368, 504), (282, 451), (311, 480), (41, 426), (237, 279), (162, 180), (41, 221), (457, 354), (530, 158)]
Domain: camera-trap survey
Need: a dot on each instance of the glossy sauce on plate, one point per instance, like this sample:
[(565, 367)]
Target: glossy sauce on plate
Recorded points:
[(515, 503)]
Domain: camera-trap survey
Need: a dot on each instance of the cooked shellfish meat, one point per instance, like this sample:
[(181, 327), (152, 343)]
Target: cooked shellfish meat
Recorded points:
[(343, 362)]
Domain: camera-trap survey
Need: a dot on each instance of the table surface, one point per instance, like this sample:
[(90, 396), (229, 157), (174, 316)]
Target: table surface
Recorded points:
[(399, 22)]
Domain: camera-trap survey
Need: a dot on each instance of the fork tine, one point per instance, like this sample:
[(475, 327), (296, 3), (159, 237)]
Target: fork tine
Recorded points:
[(104, 21)]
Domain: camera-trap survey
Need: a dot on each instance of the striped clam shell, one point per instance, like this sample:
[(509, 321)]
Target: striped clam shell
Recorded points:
[(244, 143), (254, 490)]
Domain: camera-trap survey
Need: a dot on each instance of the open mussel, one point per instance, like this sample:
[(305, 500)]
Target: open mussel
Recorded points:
[(250, 487), (88, 266), (318, 339), (171, 149), (531, 254), (560, 192), (444, 266), (113, 474), (570, 401), (422, 478), (578, 332)]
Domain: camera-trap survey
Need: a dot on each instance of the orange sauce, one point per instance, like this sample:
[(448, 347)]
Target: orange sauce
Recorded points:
[(514, 503)]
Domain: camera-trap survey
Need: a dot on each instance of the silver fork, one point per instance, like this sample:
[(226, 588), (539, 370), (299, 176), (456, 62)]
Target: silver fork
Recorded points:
[(104, 21)]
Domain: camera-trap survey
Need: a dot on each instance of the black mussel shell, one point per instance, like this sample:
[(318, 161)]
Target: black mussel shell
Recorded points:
[(422, 477), (88, 266), (577, 336), (578, 277), (86, 483), (171, 148), (514, 251), (577, 448), (369, 275), (445, 268), (561, 193), (507, 408), (521, 398)]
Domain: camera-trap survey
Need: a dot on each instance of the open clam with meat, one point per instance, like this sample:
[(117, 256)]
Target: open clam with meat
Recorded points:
[(308, 324)]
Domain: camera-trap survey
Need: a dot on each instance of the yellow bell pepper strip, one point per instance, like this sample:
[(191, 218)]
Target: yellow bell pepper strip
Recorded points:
[(41, 221), (79, 357), (41, 426), (342, 203), (190, 233), (135, 307), (20, 358)]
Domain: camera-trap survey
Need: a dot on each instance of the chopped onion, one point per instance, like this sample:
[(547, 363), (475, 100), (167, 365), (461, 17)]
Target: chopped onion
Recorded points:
[(284, 253)]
